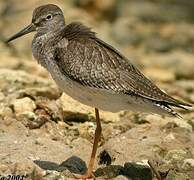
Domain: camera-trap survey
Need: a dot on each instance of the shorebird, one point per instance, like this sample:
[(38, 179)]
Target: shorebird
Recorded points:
[(92, 71)]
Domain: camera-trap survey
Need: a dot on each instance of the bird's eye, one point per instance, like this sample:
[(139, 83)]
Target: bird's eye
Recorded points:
[(49, 17)]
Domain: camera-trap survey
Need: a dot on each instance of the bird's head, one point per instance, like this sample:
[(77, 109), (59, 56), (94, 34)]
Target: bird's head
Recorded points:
[(46, 18)]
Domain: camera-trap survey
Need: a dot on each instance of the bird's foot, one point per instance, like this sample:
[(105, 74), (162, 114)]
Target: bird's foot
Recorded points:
[(84, 177)]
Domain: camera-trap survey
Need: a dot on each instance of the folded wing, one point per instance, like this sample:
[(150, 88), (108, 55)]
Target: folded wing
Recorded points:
[(93, 63)]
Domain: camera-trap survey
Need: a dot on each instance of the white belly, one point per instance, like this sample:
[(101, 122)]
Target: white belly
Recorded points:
[(102, 99), (92, 97)]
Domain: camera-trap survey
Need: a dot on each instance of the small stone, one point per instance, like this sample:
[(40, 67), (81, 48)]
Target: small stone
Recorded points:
[(183, 124), (191, 122), (2, 96), (173, 175), (23, 106), (82, 112), (5, 111), (121, 178), (50, 175), (176, 155), (105, 158), (74, 164), (8, 121), (169, 138), (51, 108), (87, 130), (25, 117), (46, 165), (108, 172), (67, 175), (40, 118), (39, 141), (188, 164), (137, 171)]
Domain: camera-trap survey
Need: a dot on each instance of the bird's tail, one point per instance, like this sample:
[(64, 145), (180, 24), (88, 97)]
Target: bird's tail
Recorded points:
[(167, 107)]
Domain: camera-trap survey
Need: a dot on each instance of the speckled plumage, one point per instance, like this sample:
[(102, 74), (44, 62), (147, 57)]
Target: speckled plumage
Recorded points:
[(92, 71), (90, 62)]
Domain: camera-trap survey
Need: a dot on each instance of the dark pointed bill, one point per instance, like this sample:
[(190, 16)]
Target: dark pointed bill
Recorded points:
[(30, 28)]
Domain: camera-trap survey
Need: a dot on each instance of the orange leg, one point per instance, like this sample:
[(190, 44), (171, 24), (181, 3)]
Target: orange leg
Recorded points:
[(98, 130)]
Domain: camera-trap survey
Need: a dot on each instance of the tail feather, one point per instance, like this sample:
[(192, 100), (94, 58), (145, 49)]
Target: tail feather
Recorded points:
[(181, 105), (169, 110)]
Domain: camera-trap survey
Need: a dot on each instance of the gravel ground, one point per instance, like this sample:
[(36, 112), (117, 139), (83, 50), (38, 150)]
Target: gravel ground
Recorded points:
[(45, 134)]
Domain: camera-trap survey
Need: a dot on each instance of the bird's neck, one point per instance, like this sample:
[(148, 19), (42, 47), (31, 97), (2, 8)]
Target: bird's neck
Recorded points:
[(49, 33), (43, 44)]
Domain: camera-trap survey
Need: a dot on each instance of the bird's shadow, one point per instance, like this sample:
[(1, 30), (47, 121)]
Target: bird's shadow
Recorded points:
[(77, 166)]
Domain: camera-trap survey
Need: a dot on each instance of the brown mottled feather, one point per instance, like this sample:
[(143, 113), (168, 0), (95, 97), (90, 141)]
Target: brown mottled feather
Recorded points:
[(94, 63)]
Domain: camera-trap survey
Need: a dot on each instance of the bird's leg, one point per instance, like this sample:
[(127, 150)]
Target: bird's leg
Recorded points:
[(152, 166), (98, 130)]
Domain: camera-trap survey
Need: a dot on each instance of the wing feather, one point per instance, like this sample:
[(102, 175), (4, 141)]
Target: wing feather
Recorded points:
[(94, 63)]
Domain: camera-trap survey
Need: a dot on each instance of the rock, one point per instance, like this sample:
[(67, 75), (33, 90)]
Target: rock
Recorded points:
[(108, 172), (120, 177), (191, 98), (50, 92), (191, 122), (173, 175), (105, 158), (50, 175), (183, 124), (5, 111), (40, 118), (87, 130), (176, 155), (188, 164), (74, 165), (137, 171), (12, 81), (51, 108), (156, 36), (2, 96), (23, 106), (73, 107), (174, 123), (138, 119), (27, 118)]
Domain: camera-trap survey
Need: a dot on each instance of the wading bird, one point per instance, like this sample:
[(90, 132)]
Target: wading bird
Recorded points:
[(92, 71)]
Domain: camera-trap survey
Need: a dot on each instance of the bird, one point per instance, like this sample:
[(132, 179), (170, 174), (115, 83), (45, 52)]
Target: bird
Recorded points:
[(92, 71)]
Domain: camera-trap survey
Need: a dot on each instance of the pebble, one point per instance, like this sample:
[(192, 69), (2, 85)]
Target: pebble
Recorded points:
[(137, 171), (176, 155), (173, 175), (108, 172), (23, 106), (183, 124), (5, 111), (188, 163)]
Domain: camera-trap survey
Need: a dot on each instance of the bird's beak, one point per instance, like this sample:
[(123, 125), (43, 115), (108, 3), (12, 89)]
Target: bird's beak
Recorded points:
[(30, 28)]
